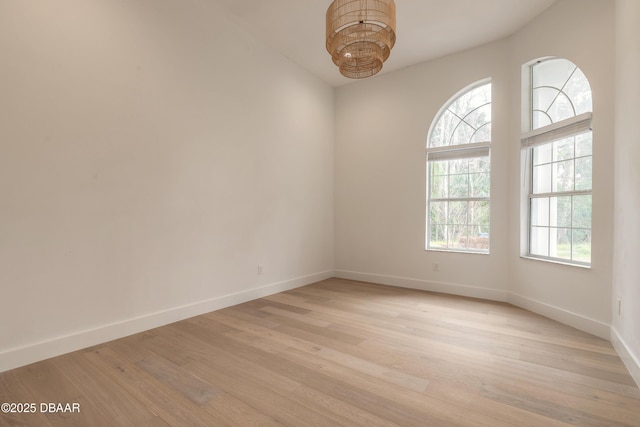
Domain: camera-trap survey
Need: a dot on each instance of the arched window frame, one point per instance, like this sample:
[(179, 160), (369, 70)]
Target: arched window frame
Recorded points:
[(557, 166), (458, 221)]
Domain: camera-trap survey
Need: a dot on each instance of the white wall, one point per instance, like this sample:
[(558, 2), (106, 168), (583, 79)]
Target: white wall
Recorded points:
[(626, 325), (152, 154), (381, 131), (381, 135)]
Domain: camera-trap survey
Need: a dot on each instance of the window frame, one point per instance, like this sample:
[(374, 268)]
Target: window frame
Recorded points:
[(462, 151), (571, 127)]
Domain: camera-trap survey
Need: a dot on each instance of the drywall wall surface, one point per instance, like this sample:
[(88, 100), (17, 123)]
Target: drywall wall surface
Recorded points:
[(153, 155), (382, 126), (626, 290)]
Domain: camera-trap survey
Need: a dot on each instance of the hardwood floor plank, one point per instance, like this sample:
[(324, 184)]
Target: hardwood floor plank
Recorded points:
[(299, 370), (296, 316), (284, 368), (426, 407), (191, 387), (52, 382), (111, 401), (267, 399), (172, 407), (14, 388), (570, 415)]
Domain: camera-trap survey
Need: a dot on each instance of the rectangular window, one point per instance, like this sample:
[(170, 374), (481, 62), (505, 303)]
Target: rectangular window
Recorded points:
[(560, 199), (458, 208)]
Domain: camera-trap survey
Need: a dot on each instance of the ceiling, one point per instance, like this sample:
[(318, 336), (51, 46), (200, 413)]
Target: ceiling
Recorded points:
[(426, 29)]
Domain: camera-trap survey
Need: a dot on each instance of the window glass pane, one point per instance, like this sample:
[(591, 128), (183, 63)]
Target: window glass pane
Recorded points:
[(479, 184), (563, 176), (479, 217), (542, 179), (582, 211), (471, 100), (441, 132), (464, 104), (561, 109), (458, 236), (583, 144), (459, 166), (560, 211), (542, 154), (476, 239), (579, 91), (458, 213), (440, 167), (479, 117), (438, 236), (540, 241), (543, 97), (560, 243), (583, 173), (459, 186), (438, 183), (581, 250), (483, 134), (563, 149), (479, 164), (553, 72), (438, 213), (540, 211), (462, 134), (540, 119)]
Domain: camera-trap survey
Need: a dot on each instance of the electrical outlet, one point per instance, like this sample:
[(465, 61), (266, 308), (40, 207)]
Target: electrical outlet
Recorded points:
[(260, 269), (436, 266)]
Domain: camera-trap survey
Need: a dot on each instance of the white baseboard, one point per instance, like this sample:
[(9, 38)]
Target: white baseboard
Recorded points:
[(14, 358), (586, 324), (424, 285), (630, 360)]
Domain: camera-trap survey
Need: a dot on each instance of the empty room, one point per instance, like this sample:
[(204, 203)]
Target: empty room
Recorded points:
[(320, 213)]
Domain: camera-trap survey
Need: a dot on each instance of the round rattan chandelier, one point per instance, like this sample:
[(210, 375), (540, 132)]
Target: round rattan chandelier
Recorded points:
[(360, 35)]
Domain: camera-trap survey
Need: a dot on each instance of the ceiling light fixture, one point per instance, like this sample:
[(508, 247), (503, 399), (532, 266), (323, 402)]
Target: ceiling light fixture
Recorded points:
[(360, 35)]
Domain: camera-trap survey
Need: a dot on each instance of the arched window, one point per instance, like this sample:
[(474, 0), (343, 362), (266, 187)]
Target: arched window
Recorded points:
[(558, 148), (458, 173)]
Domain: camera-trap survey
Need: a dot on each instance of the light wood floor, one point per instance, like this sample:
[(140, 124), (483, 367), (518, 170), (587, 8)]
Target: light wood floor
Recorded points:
[(339, 353)]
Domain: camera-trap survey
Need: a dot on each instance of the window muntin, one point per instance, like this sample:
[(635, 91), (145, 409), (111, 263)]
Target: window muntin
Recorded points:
[(458, 177), (559, 152)]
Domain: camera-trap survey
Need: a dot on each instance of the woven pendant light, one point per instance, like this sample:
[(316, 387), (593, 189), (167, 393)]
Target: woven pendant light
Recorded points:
[(360, 35)]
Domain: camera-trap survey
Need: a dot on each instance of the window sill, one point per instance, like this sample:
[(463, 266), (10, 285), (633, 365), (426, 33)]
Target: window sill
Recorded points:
[(455, 251), (556, 261)]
